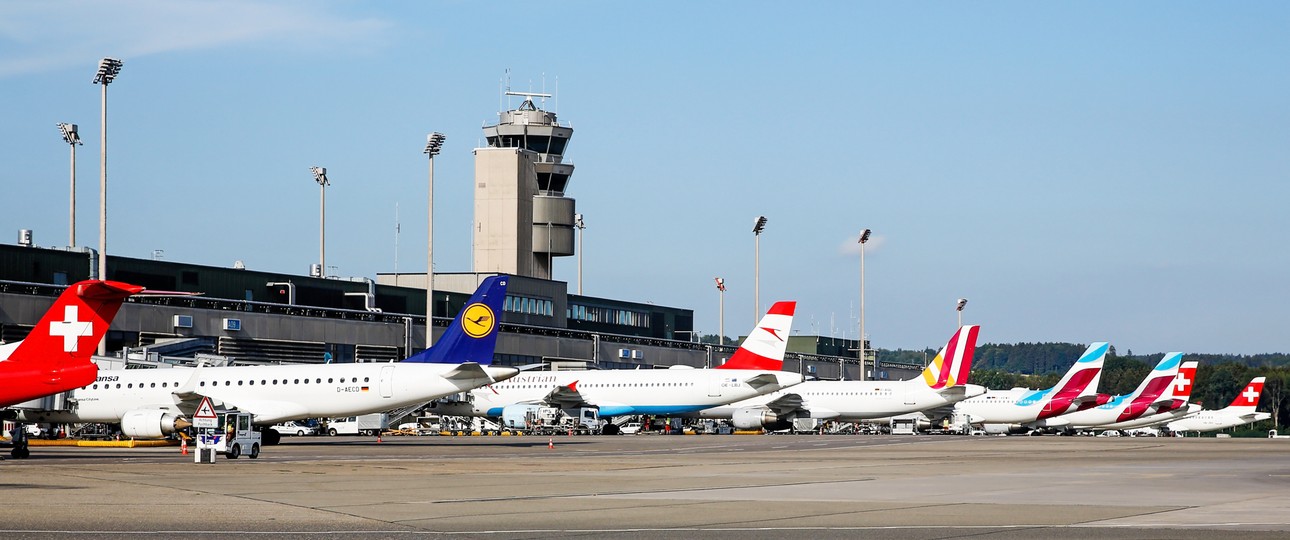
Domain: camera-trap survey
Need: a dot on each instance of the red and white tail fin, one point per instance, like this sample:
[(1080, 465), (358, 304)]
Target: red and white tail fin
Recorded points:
[(953, 364), (1183, 382), (1248, 399), (55, 356), (764, 348)]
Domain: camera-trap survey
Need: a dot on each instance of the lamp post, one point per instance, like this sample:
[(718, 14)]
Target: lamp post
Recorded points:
[(434, 143), (72, 138), (864, 346), (759, 225), (962, 303), (581, 225), (109, 68), (721, 311), (320, 176)]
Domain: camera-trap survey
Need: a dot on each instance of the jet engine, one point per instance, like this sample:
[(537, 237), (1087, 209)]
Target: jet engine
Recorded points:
[(1005, 429), (757, 418), (151, 423)]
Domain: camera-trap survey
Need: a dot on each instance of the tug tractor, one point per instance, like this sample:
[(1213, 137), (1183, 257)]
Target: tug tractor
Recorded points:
[(233, 435)]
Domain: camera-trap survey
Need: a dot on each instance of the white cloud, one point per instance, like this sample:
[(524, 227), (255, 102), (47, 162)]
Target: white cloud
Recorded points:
[(44, 36)]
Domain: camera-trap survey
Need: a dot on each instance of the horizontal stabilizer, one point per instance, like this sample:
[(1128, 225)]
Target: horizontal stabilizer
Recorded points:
[(762, 380), (785, 404)]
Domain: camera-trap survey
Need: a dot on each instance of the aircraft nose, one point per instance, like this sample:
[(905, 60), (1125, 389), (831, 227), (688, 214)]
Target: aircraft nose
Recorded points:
[(501, 373)]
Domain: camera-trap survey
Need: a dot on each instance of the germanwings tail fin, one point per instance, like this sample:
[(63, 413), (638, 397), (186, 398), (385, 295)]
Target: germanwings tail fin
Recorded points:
[(953, 364), (57, 352), (472, 336), (765, 345), (1248, 399)]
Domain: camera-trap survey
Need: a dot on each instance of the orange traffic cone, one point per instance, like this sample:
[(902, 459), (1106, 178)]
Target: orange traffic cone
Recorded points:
[(183, 446), (550, 443), (378, 438)]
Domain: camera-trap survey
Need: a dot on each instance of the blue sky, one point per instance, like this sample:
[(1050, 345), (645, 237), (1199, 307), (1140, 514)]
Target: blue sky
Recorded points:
[(1080, 172)]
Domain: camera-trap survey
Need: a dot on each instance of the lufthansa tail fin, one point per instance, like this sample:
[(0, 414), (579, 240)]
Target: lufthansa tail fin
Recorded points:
[(58, 350), (765, 345), (953, 364), (472, 336)]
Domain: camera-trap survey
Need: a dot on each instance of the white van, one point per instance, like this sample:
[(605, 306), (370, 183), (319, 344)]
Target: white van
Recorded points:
[(367, 424)]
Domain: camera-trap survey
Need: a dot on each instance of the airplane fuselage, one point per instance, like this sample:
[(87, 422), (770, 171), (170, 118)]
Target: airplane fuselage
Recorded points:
[(856, 400)]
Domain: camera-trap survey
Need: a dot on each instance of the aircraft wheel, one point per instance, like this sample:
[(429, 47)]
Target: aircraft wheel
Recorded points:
[(271, 437), (235, 451), (611, 429), (20, 453), (255, 451)]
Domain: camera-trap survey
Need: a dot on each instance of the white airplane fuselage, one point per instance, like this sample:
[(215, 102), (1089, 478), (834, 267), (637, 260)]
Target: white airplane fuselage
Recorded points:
[(623, 392), (1216, 420), (857, 400), (271, 393)]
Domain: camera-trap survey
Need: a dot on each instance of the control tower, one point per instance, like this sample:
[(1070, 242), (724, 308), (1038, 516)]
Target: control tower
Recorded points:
[(522, 218)]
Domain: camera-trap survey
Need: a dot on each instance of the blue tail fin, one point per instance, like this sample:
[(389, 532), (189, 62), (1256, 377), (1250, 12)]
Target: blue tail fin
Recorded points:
[(472, 336)]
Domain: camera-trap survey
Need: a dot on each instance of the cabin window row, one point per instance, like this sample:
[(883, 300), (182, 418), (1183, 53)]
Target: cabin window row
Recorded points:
[(250, 382)]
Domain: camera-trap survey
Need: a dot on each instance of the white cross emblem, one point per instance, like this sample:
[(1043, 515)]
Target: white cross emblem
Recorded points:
[(1181, 383), (1250, 394), (71, 328)]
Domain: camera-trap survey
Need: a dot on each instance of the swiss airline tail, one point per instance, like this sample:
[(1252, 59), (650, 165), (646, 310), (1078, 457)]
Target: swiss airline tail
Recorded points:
[(953, 364), (472, 336), (1249, 397), (764, 347), (55, 356), (1183, 382)]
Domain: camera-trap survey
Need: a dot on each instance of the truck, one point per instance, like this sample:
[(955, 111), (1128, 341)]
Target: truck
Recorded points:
[(367, 424)]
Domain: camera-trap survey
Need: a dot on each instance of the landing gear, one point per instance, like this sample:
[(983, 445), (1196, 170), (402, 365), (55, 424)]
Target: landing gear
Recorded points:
[(19, 436), (270, 436)]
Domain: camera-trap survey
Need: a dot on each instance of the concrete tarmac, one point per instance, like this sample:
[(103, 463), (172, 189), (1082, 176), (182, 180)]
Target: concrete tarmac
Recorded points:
[(654, 486)]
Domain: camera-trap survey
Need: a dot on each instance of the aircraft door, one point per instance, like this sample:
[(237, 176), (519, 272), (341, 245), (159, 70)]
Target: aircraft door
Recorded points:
[(714, 384), (387, 381), (910, 397)]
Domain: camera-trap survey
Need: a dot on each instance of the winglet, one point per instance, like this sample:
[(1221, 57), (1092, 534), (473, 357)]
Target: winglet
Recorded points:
[(765, 345), (58, 350), (472, 336), (953, 364)]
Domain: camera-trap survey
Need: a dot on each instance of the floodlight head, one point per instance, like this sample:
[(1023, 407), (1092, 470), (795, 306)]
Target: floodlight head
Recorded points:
[(434, 142), (759, 225), (108, 70), (721, 284), (962, 303), (864, 235), (69, 133), (320, 175), (577, 221)]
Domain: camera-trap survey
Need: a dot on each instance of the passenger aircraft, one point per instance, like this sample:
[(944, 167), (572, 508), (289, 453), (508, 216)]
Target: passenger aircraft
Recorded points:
[(1173, 404), (943, 383), (754, 369), (151, 403), (55, 356), (1122, 408), (1012, 411), (1240, 412)]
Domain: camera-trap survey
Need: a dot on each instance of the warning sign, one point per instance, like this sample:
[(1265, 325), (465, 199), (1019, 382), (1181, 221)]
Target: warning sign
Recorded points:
[(205, 416)]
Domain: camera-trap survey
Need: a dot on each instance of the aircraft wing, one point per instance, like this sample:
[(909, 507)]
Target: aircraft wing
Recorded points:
[(566, 397), (762, 380), (785, 404)]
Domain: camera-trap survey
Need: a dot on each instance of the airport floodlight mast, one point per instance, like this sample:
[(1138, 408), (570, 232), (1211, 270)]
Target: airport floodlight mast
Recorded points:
[(962, 304), (758, 226), (434, 143), (320, 176), (72, 138), (721, 311), (581, 225), (109, 68), (864, 345)]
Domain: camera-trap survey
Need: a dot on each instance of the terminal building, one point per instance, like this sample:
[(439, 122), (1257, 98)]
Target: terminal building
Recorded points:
[(523, 220)]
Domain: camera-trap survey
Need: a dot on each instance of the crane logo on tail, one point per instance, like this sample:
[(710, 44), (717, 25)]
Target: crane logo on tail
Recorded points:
[(478, 320), (71, 328)]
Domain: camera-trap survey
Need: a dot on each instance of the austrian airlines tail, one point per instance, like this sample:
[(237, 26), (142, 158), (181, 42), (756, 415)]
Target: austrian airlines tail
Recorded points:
[(472, 336), (55, 356), (764, 348), (953, 364)]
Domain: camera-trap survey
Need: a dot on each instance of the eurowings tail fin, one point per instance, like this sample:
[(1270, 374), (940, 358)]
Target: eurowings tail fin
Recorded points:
[(765, 345), (61, 345), (472, 336), (1152, 389), (953, 364)]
